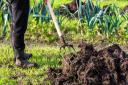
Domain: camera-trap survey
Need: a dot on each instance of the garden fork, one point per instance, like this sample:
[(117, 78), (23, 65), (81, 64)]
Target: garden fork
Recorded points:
[(64, 44)]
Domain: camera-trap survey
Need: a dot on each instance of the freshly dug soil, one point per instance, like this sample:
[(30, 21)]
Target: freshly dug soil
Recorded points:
[(108, 66)]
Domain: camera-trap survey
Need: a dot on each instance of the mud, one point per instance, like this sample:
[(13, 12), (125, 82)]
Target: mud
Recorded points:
[(88, 66)]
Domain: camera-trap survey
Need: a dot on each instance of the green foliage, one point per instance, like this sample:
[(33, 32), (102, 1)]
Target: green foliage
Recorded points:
[(89, 11), (111, 22), (5, 18)]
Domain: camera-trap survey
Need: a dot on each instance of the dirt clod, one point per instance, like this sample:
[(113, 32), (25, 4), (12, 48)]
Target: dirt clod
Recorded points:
[(108, 66)]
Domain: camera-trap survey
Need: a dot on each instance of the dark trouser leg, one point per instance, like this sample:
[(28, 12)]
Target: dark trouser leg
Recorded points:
[(20, 11)]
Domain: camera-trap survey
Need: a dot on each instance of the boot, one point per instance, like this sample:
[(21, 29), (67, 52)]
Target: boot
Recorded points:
[(21, 61), (26, 56), (24, 63)]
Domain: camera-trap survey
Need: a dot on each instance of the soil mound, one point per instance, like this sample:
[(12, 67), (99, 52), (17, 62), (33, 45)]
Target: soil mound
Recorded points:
[(108, 66)]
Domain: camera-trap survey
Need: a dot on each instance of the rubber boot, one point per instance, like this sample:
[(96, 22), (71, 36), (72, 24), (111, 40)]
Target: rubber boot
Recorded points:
[(20, 61), (26, 56), (24, 63)]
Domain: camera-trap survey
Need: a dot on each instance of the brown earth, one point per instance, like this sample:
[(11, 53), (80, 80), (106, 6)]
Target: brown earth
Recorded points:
[(108, 66)]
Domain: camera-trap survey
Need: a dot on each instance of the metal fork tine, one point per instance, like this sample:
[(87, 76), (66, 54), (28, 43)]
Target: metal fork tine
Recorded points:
[(69, 46)]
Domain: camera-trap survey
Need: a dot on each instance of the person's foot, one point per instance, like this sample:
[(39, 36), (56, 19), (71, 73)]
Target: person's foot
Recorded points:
[(25, 55), (25, 63)]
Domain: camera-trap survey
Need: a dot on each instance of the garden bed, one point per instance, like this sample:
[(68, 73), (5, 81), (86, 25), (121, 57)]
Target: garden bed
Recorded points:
[(108, 66)]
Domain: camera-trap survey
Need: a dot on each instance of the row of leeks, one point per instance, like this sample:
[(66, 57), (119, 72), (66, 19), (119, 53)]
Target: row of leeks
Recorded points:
[(108, 19)]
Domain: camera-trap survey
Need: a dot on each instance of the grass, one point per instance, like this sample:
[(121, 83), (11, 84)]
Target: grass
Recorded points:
[(11, 75), (120, 3)]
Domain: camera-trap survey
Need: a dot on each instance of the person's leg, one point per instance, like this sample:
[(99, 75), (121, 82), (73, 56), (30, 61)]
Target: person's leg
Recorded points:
[(20, 12)]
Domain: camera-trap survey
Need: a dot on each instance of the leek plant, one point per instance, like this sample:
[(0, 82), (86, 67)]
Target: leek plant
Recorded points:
[(125, 16), (1, 3), (87, 12), (5, 18), (111, 21), (40, 11)]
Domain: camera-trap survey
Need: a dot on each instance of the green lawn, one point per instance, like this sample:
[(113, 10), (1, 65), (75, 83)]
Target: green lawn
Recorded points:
[(45, 56)]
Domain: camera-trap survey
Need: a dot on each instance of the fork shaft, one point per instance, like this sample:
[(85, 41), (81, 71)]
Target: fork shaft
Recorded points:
[(54, 19)]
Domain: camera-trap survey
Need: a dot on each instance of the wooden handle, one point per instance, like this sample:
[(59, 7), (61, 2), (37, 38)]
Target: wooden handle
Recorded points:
[(54, 18)]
